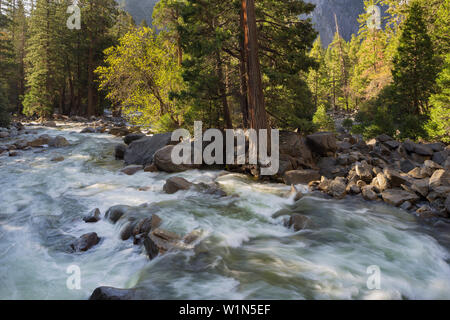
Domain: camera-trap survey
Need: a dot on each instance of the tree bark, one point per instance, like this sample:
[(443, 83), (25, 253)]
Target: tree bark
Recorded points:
[(223, 93), (243, 67), (257, 111)]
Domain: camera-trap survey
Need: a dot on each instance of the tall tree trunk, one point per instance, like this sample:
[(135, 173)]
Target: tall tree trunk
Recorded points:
[(223, 93), (257, 111), (90, 86), (243, 67)]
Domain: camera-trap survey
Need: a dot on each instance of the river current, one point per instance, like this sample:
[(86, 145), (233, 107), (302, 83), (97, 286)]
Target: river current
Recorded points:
[(243, 252)]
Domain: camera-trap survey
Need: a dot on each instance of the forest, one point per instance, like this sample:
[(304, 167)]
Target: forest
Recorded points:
[(233, 64)]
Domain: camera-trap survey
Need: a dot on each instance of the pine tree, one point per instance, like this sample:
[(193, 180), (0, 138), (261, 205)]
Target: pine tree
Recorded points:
[(414, 69), (317, 76), (439, 125)]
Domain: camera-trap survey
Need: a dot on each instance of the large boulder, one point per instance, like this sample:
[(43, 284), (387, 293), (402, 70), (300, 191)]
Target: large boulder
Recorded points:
[(110, 293), (421, 187), (119, 151), (368, 193), (322, 143), (129, 138), (395, 178), (163, 161), (300, 176), (364, 171), (175, 184), (294, 145), (85, 242), (40, 141), (338, 188), (397, 197), (143, 150), (440, 178)]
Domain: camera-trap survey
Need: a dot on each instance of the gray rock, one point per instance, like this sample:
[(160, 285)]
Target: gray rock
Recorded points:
[(337, 188), (368, 193), (88, 130), (322, 143), (85, 242), (142, 151), (119, 151), (131, 169), (93, 216), (395, 179), (392, 144), (364, 171), (163, 161), (383, 182), (58, 142), (397, 197), (110, 293), (57, 159), (294, 177), (298, 222), (406, 205), (423, 150), (440, 157), (129, 138), (440, 178), (175, 184), (421, 187), (447, 204), (407, 165)]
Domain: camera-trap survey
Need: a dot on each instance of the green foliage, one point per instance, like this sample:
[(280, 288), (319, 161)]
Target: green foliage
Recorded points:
[(322, 120), (347, 124), (414, 69), (140, 74), (438, 126)]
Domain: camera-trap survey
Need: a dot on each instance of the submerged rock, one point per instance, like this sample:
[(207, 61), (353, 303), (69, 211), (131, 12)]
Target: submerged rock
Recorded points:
[(132, 169), (110, 293), (85, 242), (298, 222), (175, 184), (58, 142), (93, 216)]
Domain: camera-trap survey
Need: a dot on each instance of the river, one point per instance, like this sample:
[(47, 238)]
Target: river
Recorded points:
[(243, 252)]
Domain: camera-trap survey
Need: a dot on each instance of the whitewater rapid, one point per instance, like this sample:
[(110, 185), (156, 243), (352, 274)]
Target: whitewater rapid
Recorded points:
[(244, 253)]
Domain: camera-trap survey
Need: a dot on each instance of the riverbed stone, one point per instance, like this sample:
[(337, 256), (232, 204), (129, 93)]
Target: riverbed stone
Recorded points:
[(58, 142), (440, 178), (110, 293), (368, 193), (176, 184), (57, 159), (298, 222), (88, 130), (129, 138), (364, 171), (142, 151), (395, 178), (119, 151), (131, 169), (93, 216), (397, 197), (294, 177), (337, 188), (163, 161), (85, 242), (322, 143)]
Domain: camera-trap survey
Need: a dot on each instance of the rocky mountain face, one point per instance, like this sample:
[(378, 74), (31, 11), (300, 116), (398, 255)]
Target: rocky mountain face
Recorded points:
[(347, 12)]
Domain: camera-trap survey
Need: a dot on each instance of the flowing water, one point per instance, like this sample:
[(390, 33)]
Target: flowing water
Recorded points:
[(243, 252)]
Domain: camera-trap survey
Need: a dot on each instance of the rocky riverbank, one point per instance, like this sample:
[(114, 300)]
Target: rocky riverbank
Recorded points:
[(413, 176)]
